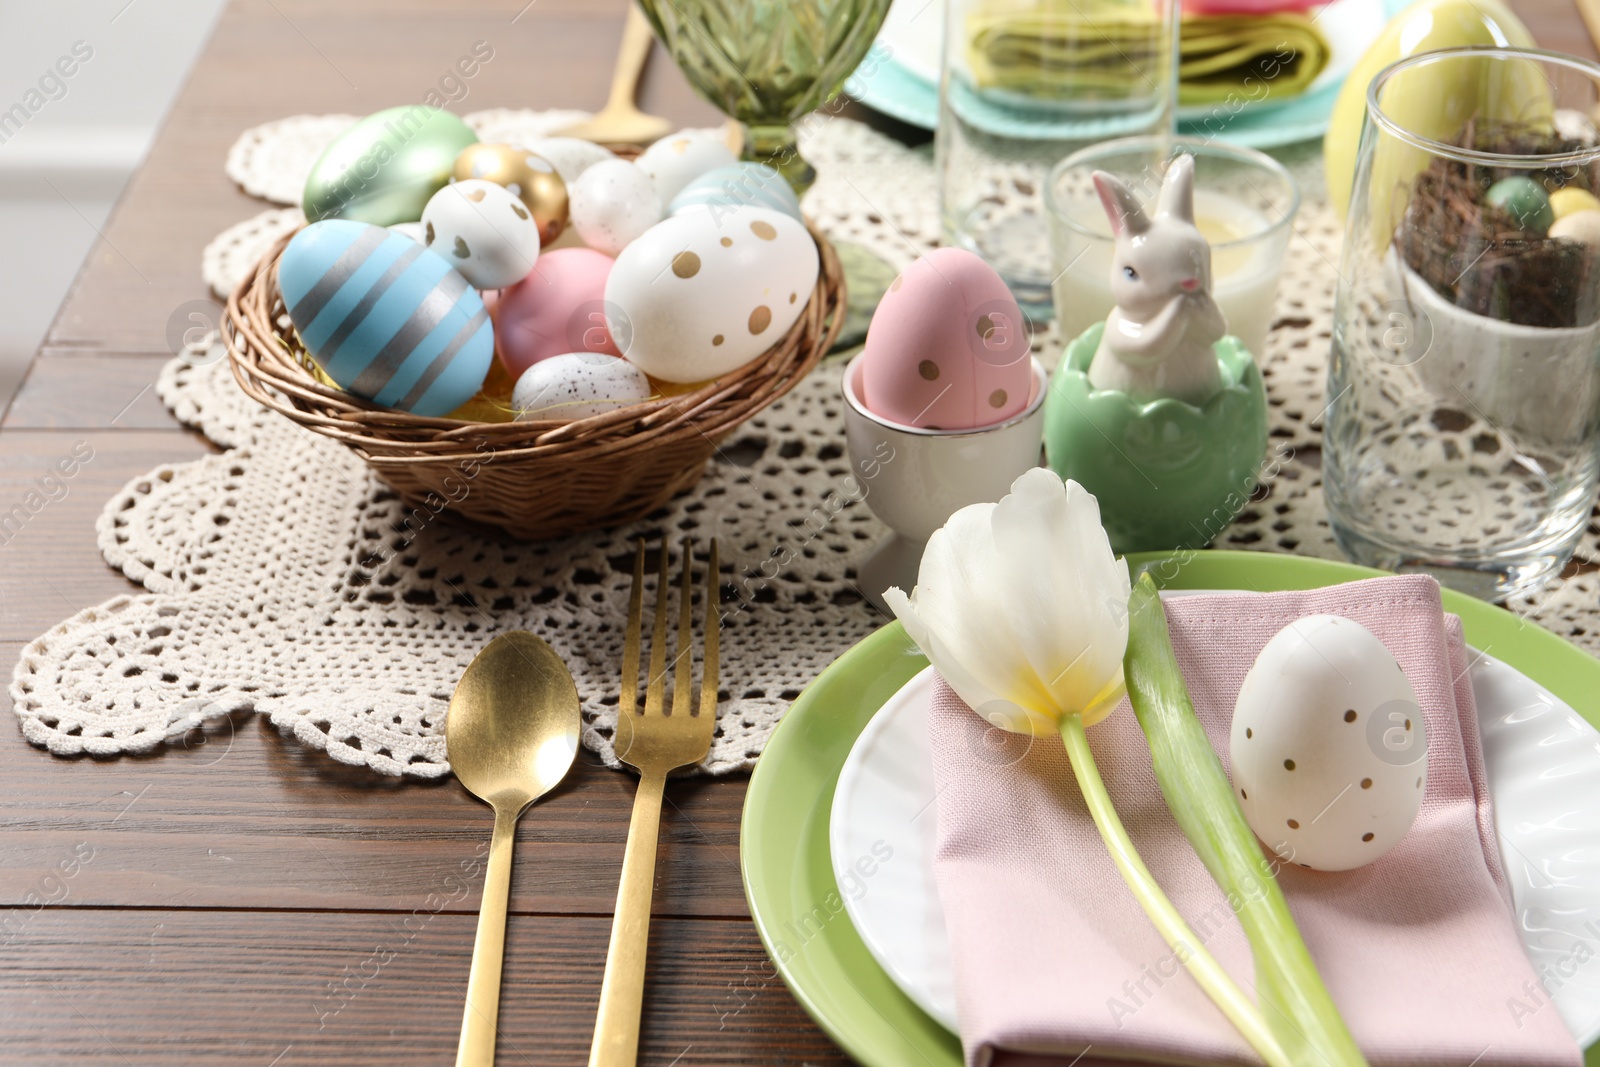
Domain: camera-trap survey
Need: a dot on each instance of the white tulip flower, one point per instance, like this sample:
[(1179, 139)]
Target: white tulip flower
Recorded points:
[(1023, 607)]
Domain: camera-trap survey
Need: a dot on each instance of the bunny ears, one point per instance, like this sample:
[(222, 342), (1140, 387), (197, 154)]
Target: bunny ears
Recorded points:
[(1127, 214)]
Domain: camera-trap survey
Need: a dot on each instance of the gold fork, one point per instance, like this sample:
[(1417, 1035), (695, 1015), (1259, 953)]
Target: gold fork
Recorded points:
[(655, 742)]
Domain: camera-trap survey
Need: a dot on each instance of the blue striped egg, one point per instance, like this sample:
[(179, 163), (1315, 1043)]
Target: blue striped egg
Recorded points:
[(739, 185), (386, 318)]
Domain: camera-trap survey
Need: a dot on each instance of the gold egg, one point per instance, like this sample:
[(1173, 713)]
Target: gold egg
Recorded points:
[(533, 178)]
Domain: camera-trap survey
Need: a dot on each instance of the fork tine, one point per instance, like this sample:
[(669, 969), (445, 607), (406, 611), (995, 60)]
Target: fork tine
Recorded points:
[(628, 695), (708, 669), (684, 668), (655, 693)]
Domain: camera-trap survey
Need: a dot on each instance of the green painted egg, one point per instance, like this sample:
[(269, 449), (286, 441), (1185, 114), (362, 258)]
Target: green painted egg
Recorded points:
[(383, 169), (1525, 201)]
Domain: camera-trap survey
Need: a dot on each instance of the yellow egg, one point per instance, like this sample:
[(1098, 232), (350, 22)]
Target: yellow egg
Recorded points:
[(1579, 226), (1426, 103), (1571, 200)]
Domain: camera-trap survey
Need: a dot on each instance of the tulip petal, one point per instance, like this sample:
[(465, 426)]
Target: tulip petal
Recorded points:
[(1058, 567), (1001, 713), (962, 596), (1022, 606)]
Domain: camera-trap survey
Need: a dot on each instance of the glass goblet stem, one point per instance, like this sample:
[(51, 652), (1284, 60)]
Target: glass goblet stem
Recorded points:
[(774, 144)]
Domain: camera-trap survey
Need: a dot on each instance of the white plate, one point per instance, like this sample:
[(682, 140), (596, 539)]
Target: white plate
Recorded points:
[(1543, 763)]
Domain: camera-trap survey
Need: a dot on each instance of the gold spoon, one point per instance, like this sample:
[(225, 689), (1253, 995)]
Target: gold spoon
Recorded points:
[(620, 121), (510, 735)]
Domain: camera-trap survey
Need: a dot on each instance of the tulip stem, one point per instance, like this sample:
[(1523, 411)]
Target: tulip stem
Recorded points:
[(1240, 1010), (1203, 804)]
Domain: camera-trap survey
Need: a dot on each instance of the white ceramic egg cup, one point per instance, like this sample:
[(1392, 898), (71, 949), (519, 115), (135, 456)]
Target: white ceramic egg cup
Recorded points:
[(925, 476)]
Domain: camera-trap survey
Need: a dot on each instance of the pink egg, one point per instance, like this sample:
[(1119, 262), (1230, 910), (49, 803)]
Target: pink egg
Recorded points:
[(948, 347), (559, 307)]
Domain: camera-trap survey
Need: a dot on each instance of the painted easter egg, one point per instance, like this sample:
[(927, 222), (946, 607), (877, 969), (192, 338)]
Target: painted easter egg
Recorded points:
[(1524, 200), (384, 317), (578, 385), (1328, 746), (755, 184), (611, 204), (697, 296), (1571, 200), (483, 230), (675, 160), (412, 230), (383, 169), (530, 176), (557, 308), (1435, 104), (570, 155), (948, 347), (1579, 226)]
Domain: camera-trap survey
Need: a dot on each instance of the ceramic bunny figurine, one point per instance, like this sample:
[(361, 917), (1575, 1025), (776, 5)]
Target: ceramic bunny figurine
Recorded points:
[(1157, 340)]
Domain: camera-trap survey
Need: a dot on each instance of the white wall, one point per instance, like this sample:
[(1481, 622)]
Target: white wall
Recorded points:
[(62, 170)]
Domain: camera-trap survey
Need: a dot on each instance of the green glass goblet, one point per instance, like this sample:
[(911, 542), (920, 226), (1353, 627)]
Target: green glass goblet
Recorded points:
[(767, 63)]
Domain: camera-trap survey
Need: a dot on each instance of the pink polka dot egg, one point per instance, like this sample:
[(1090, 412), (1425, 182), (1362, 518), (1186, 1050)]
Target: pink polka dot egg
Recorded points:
[(948, 347)]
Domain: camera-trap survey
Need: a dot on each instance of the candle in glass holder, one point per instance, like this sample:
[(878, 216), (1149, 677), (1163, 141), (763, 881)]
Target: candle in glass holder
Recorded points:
[(1243, 204)]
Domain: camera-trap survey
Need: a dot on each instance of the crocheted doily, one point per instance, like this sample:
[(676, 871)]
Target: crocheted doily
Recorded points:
[(283, 577)]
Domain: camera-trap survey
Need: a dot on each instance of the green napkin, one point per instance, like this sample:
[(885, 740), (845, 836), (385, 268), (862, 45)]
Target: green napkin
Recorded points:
[(1087, 49)]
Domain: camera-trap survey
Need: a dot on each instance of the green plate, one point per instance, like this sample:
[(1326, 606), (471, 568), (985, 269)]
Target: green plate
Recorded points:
[(783, 837)]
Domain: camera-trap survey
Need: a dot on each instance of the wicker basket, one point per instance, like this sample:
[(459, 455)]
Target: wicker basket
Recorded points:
[(538, 479)]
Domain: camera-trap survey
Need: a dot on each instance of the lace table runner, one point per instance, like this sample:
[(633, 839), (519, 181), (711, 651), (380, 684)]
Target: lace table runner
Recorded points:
[(281, 576)]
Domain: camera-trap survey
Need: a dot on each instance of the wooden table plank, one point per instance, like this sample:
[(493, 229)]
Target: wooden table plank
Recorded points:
[(78, 389), (172, 988), (237, 816), (49, 522)]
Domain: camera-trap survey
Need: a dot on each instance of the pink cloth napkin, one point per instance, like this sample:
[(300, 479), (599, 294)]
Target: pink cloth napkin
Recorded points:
[(1054, 959)]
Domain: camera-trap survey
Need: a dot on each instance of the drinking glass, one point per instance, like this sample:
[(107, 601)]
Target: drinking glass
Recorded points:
[(1025, 83), (1464, 379), (768, 62), (1244, 202)]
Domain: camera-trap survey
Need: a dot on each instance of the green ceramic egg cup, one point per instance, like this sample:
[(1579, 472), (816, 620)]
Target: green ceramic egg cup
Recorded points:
[(1167, 474)]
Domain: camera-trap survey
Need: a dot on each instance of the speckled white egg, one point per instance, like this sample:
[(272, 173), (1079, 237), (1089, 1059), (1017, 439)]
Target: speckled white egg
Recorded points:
[(676, 160), (611, 204), (570, 155), (484, 232), (703, 293), (1329, 751), (412, 230), (578, 385)]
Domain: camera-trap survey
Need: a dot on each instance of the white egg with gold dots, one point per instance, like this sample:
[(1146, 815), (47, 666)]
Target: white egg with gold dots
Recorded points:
[(1329, 749), (678, 159), (703, 293), (484, 231)]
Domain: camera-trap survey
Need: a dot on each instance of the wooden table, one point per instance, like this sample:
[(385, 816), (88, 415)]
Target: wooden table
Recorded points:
[(237, 898)]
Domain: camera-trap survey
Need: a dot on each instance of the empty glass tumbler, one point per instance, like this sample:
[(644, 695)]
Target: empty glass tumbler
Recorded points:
[(1024, 84), (1464, 381)]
